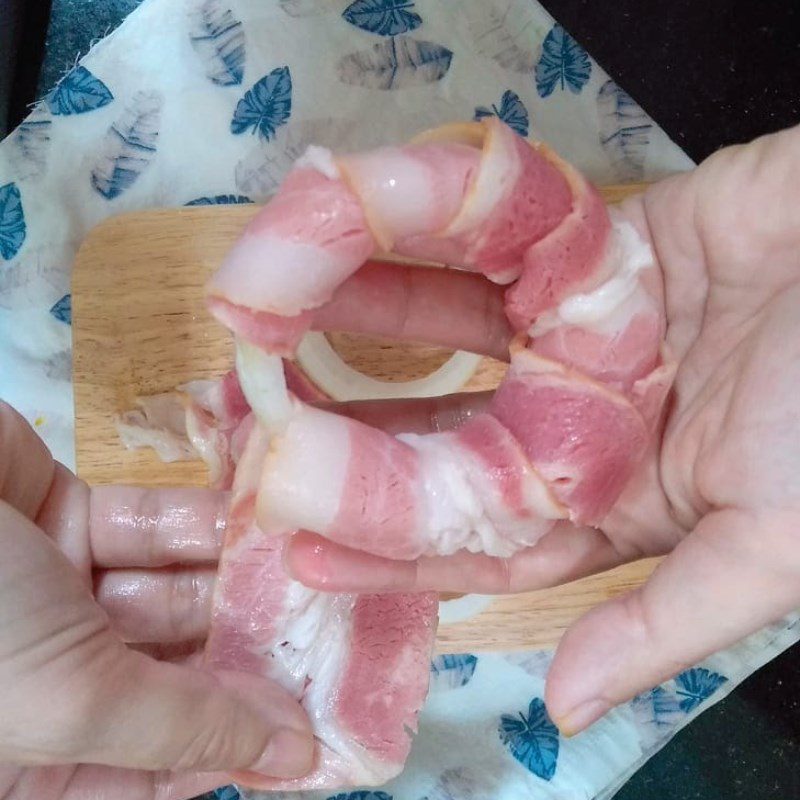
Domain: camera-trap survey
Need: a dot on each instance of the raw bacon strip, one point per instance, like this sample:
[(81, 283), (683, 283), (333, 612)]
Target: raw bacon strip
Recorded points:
[(560, 440), (516, 198), (200, 420), (611, 331), (583, 438), (475, 196), (410, 191), (578, 406), (358, 664), (405, 496), (569, 258), (292, 256)]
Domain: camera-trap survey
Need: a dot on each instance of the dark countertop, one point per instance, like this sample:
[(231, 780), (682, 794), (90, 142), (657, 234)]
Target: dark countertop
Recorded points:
[(711, 73)]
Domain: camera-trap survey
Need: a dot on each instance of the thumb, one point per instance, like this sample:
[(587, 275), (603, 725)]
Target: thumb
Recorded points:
[(154, 715), (123, 709), (735, 573)]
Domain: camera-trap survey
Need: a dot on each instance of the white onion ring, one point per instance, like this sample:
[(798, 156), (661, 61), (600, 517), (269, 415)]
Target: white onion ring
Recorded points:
[(463, 608), (263, 384), (339, 380)]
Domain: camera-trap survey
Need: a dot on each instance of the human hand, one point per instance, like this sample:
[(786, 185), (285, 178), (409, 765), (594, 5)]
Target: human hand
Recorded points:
[(719, 492), (83, 714)]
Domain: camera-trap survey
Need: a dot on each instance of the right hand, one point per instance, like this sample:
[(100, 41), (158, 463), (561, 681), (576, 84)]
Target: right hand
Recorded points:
[(719, 493)]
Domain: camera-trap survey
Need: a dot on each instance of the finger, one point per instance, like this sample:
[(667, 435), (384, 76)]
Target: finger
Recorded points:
[(720, 584), (63, 516), (415, 415), (564, 554), (451, 308), (167, 605), (26, 468), (137, 527)]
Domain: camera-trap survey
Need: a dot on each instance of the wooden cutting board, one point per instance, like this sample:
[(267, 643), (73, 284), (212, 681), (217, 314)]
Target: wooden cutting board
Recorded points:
[(140, 327)]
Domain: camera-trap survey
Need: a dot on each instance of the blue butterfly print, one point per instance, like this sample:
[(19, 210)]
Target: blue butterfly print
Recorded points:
[(220, 200), (696, 685), (512, 111), (453, 671), (384, 17), (396, 63), (78, 92), (266, 106), (62, 310), (624, 131), (563, 63), (129, 146), (12, 221), (532, 739), (361, 795), (218, 38)]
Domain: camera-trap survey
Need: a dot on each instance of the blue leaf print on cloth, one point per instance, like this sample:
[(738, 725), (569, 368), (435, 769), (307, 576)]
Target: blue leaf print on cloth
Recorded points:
[(361, 795), (12, 221), (506, 31), (384, 17), (78, 92), (226, 793), (452, 671), (218, 38), (657, 714), (31, 141), (129, 146), (512, 111), (563, 63), (62, 310), (624, 131), (220, 200), (397, 63), (460, 784), (532, 739), (266, 106), (696, 685), (306, 8)]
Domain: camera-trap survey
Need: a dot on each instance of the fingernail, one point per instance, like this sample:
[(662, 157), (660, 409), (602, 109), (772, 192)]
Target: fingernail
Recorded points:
[(582, 716), (289, 754)]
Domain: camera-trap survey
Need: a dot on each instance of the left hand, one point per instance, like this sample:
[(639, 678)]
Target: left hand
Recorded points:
[(83, 714)]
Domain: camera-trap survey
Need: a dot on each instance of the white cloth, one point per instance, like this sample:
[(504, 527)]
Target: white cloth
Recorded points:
[(210, 101)]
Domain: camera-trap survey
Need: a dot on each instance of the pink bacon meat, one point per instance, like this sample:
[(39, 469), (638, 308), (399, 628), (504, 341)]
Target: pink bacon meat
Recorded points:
[(587, 378), (358, 664), (560, 440)]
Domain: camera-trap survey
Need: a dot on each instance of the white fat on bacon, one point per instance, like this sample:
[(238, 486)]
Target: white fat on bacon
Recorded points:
[(607, 307), (463, 510)]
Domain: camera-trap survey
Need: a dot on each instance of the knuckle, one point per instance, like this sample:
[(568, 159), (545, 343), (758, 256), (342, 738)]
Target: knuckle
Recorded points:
[(184, 595)]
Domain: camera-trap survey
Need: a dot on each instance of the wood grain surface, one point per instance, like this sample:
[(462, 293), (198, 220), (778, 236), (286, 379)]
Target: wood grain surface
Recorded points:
[(140, 327)]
